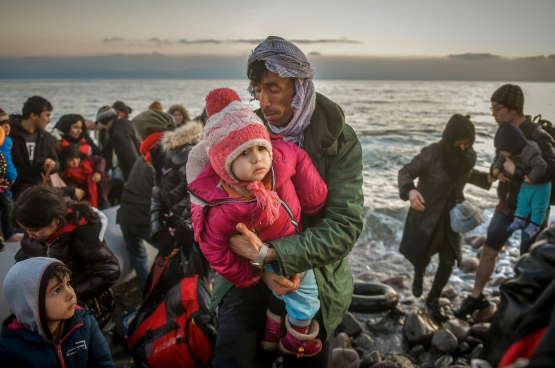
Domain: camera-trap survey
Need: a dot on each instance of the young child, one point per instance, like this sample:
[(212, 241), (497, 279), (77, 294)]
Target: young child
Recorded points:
[(264, 184), (72, 233), (533, 198), (84, 172), (48, 327), (7, 176)]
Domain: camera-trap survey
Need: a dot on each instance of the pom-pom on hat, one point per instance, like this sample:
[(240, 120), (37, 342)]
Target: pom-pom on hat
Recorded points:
[(231, 128)]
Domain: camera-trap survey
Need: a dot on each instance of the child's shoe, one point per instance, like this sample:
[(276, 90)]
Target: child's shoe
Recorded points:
[(272, 332), (518, 223), (301, 341), (530, 231), (2, 247)]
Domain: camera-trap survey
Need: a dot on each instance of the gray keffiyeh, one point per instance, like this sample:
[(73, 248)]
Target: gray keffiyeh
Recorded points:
[(288, 61)]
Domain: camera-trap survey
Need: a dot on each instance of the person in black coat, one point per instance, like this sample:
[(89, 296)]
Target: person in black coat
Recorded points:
[(442, 169)]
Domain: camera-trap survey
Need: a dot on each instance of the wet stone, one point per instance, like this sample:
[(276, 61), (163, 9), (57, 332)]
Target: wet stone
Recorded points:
[(366, 276), (403, 361), (445, 342), (469, 264), (385, 364), (426, 365), (481, 329), (496, 281), (368, 360), (345, 358), (342, 341), (364, 342), (399, 281), (461, 362), (350, 325), (473, 341), (449, 292), (478, 241), (463, 346), (418, 328), (443, 361), (427, 357), (459, 328), (496, 300), (417, 350), (476, 352), (486, 314), (444, 302)]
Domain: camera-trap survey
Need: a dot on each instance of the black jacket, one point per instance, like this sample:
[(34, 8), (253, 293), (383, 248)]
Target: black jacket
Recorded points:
[(170, 197), (136, 197), (508, 192), (123, 141), (27, 174)]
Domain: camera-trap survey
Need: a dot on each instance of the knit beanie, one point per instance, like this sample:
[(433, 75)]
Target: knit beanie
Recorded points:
[(509, 138), (156, 106), (232, 128), (105, 114), (3, 116), (152, 121), (510, 96)]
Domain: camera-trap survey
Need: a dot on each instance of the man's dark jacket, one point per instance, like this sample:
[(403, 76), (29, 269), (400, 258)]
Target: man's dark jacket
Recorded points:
[(136, 197), (27, 174), (123, 141)]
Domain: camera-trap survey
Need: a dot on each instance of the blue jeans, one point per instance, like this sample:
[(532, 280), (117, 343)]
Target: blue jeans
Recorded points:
[(303, 304), (133, 235), (498, 234), (533, 200)]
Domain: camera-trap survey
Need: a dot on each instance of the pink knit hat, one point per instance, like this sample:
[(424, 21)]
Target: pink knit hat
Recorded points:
[(232, 128)]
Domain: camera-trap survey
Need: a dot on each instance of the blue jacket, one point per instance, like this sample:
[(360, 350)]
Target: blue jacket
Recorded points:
[(82, 345), (6, 149)]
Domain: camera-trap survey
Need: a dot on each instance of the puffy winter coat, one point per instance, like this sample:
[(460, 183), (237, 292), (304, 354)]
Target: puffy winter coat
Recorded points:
[(170, 197), (82, 345), (93, 265), (297, 184), (6, 150), (123, 141)]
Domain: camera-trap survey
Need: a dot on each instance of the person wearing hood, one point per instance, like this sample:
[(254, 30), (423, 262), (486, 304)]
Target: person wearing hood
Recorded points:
[(442, 168), (73, 130), (134, 213), (179, 113), (74, 234), (281, 80), (49, 327)]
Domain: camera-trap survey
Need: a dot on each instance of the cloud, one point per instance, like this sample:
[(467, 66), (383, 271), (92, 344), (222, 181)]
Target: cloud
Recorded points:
[(112, 39), (159, 41), (315, 53), (474, 56), (339, 40), (196, 42)]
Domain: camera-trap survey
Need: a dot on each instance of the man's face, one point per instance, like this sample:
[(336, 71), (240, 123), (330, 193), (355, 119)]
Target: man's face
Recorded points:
[(60, 299), (502, 114), (42, 120), (275, 95)]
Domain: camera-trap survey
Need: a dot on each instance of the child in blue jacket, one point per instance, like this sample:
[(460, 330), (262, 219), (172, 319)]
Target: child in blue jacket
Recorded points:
[(10, 174), (49, 328)]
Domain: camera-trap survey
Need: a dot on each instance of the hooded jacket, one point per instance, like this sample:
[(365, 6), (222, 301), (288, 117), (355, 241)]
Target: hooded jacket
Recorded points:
[(170, 197), (26, 340), (27, 174), (6, 150), (82, 248), (529, 161), (123, 141), (297, 184), (328, 236)]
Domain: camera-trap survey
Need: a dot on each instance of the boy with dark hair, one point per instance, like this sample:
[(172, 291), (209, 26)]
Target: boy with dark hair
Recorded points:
[(33, 151), (49, 328)]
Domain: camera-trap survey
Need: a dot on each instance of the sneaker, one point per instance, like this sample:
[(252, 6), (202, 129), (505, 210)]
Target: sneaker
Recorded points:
[(301, 342), (471, 304), (437, 310), (273, 331), (417, 283), (2, 247), (518, 223)]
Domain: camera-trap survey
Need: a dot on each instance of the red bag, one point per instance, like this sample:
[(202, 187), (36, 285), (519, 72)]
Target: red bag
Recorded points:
[(178, 332)]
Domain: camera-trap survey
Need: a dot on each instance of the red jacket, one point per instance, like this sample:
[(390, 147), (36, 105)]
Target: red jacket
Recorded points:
[(296, 182)]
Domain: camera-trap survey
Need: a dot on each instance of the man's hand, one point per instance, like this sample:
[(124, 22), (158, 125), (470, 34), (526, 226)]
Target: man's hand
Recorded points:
[(416, 200), (90, 124), (527, 180), (281, 285), (96, 177), (492, 178), (49, 165), (79, 193), (503, 178), (495, 172), (509, 166), (245, 244)]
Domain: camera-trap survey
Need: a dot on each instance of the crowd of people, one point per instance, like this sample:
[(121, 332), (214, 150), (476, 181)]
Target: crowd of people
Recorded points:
[(271, 199)]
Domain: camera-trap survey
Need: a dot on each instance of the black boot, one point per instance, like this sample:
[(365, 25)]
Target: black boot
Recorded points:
[(471, 304), (438, 313), (417, 283)]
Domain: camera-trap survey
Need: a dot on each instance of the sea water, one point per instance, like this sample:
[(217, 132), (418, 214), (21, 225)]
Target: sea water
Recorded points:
[(394, 120)]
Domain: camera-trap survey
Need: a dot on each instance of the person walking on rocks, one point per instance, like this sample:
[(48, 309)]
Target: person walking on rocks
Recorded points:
[(442, 168), (507, 105)]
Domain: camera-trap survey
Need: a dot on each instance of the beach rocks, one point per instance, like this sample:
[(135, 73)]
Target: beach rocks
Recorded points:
[(496, 281), (469, 264), (366, 276), (481, 329), (345, 358), (364, 342), (463, 347), (342, 341), (476, 352), (418, 328), (449, 292), (486, 314), (417, 350), (459, 328), (443, 361), (368, 360), (402, 361), (478, 241), (385, 364), (445, 342), (399, 281), (350, 325), (474, 341)]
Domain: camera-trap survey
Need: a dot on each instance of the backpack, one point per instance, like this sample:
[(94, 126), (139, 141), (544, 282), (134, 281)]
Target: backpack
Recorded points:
[(177, 331), (550, 129)]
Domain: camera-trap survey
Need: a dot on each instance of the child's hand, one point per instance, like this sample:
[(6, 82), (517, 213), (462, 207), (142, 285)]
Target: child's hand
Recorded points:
[(495, 172), (527, 180), (96, 177)]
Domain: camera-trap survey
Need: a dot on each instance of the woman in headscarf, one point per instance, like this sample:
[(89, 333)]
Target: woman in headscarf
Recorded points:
[(179, 113), (73, 130), (442, 168)]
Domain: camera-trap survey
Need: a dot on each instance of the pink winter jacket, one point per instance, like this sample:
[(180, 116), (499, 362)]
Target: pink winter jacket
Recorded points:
[(296, 182)]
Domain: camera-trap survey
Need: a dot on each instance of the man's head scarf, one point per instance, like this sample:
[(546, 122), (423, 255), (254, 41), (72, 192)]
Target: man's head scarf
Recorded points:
[(288, 61)]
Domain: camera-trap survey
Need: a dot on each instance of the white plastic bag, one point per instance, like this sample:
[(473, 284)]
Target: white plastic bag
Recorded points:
[(465, 217)]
